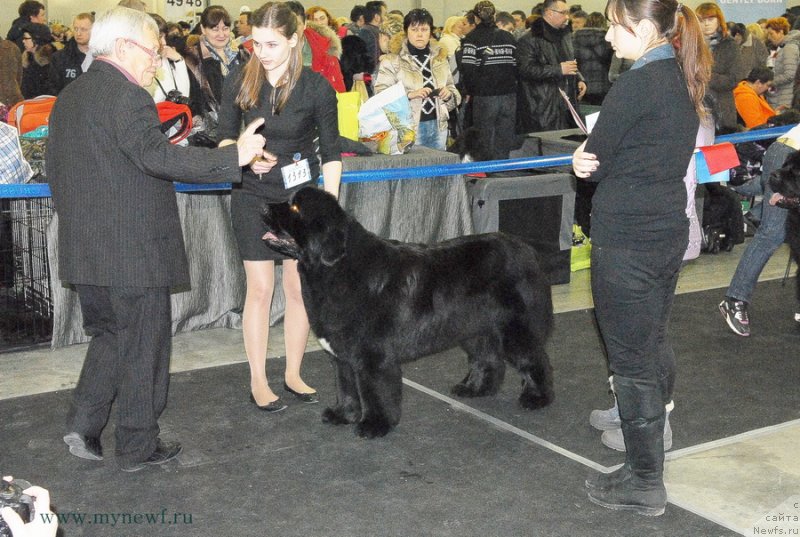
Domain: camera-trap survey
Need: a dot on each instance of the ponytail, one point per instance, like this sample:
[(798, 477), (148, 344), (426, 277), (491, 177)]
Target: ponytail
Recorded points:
[(677, 24), (693, 55)]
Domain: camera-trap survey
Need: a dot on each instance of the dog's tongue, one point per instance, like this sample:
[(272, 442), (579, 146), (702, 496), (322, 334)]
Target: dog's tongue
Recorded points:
[(269, 236)]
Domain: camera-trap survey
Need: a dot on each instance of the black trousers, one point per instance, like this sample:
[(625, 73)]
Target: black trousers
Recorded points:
[(633, 293), (496, 116), (127, 361)]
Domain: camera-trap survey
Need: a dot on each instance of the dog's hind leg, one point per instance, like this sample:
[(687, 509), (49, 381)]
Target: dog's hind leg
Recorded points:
[(348, 404), (486, 367), (380, 387)]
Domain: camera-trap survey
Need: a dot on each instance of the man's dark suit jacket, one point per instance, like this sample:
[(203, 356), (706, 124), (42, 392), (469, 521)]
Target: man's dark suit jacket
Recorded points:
[(110, 171)]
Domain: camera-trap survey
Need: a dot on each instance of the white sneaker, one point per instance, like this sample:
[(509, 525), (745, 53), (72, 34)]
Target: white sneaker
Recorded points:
[(614, 439), (605, 420)]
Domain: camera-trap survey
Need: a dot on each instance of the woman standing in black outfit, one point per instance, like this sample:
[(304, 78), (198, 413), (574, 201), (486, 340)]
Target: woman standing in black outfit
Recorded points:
[(638, 154), (298, 105)]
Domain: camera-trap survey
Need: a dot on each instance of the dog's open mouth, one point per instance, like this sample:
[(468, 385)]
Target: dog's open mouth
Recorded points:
[(284, 245)]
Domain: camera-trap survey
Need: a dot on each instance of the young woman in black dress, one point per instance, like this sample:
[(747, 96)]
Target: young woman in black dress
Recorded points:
[(298, 105)]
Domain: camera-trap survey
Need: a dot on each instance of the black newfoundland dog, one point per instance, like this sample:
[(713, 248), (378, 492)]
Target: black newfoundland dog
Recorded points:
[(374, 304), (786, 182)]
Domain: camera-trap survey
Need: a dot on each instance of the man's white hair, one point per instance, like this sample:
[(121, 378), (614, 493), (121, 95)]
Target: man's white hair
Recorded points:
[(119, 23)]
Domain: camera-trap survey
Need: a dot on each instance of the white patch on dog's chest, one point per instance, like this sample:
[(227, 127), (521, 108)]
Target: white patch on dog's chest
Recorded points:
[(325, 345)]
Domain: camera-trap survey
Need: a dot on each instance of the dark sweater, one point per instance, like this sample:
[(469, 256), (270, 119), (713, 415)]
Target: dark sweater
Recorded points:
[(311, 111), (489, 61), (643, 140)]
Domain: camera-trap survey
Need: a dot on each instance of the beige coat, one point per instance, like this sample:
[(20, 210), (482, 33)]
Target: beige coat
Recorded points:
[(399, 66)]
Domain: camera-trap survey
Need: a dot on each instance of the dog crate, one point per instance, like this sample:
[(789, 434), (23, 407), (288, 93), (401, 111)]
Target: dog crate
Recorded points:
[(26, 308), (538, 208)]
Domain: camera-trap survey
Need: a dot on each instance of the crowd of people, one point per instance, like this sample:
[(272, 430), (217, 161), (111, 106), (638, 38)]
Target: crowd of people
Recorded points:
[(277, 69), (535, 55)]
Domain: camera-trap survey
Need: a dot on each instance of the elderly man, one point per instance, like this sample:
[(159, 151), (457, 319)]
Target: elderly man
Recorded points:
[(120, 243), (546, 63)]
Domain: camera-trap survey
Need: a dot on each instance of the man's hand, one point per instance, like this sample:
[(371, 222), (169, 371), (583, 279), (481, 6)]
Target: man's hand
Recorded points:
[(581, 89), (569, 68), (250, 144)]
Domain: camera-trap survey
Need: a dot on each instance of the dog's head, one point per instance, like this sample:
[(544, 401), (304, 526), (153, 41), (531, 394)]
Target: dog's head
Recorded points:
[(786, 181), (311, 227)]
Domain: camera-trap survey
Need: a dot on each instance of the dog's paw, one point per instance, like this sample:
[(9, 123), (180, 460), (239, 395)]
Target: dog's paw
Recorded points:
[(534, 401), (373, 428), (336, 416)]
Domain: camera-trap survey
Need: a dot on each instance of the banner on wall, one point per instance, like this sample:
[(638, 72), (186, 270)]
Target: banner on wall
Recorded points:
[(183, 10), (748, 11)]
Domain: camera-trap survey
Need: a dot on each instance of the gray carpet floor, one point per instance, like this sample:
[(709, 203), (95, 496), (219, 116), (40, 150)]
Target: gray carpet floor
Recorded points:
[(485, 469)]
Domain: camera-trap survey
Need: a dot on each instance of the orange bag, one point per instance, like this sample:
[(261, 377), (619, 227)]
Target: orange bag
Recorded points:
[(176, 120), (31, 114)]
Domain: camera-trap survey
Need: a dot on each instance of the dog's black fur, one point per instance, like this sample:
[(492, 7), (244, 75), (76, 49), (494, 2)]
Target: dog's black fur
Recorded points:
[(786, 182), (376, 303), (470, 146)]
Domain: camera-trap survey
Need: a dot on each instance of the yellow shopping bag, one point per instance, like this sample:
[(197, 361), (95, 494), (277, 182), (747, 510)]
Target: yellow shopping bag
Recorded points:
[(348, 106)]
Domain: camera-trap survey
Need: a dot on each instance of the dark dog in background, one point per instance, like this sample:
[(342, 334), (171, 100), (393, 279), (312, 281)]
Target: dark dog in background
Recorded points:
[(375, 303), (470, 146), (786, 182)]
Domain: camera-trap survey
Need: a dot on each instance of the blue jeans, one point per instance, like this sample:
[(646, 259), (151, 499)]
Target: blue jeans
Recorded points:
[(429, 135), (770, 234)]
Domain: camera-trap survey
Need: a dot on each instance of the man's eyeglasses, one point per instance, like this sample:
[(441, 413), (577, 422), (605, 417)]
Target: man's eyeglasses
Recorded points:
[(154, 55), (561, 12)]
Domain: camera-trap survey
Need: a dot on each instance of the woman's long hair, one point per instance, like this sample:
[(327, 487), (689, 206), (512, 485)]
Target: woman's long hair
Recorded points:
[(276, 16), (677, 24)]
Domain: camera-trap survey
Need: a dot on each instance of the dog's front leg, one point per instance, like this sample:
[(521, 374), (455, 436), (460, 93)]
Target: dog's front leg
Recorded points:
[(348, 404), (380, 386)]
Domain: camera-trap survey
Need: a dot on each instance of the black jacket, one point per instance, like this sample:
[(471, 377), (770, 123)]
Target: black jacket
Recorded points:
[(65, 66), (36, 76), (540, 52), (15, 32), (594, 55), (489, 62)]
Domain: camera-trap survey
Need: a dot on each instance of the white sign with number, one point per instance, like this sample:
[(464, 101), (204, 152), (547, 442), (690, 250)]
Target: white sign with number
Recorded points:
[(183, 10)]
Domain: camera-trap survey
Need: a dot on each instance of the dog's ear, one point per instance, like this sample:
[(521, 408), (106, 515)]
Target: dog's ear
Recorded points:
[(332, 247)]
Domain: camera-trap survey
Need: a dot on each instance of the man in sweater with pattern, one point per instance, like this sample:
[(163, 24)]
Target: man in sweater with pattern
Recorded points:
[(489, 76)]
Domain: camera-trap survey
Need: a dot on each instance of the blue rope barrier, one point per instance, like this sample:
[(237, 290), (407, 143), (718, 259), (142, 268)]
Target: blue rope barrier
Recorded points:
[(366, 176)]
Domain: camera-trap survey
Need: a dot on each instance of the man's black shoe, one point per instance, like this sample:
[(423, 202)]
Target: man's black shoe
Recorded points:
[(165, 452), (85, 447)]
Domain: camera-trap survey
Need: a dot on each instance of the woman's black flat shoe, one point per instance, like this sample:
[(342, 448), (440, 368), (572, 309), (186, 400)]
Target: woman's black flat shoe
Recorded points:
[(276, 406), (312, 397)]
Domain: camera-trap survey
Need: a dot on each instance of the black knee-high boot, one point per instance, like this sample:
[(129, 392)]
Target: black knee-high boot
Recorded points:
[(639, 485)]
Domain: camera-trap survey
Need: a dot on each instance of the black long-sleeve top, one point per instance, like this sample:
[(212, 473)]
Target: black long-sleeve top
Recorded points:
[(489, 61), (309, 113), (643, 140)]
